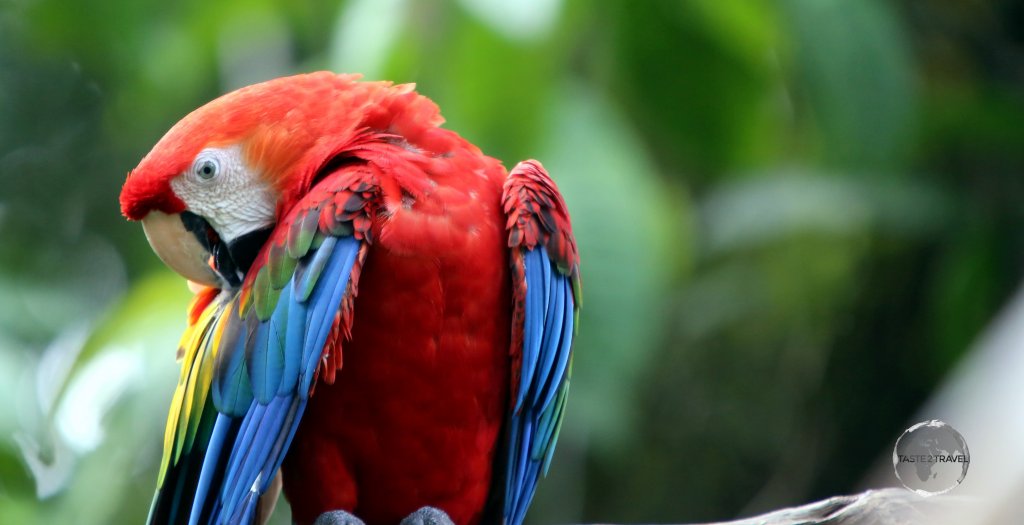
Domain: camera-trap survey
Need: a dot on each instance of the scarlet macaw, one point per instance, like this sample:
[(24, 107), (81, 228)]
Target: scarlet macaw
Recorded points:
[(382, 313)]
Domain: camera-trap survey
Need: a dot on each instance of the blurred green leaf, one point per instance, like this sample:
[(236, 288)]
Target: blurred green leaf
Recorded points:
[(150, 318), (701, 81), (854, 70), (631, 239), (793, 217)]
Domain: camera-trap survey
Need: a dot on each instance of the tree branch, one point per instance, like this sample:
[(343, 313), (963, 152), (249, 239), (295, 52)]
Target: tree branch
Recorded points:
[(875, 507)]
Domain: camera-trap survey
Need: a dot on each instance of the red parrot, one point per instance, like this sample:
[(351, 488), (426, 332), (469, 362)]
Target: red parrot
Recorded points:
[(383, 317)]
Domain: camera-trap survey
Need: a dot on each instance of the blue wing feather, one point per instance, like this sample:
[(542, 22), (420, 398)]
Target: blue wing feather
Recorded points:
[(221, 429), (552, 336), (232, 392), (257, 364), (267, 358), (262, 383), (272, 426), (533, 332), (536, 417), (545, 268), (293, 340), (556, 379), (326, 300)]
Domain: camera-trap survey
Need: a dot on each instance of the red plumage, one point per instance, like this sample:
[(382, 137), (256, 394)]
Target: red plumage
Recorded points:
[(416, 379), (414, 415)]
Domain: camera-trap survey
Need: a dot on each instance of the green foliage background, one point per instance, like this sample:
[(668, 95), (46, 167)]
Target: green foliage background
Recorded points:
[(794, 217)]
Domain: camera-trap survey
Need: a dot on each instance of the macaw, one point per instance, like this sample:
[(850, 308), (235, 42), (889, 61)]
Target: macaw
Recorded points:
[(383, 317)]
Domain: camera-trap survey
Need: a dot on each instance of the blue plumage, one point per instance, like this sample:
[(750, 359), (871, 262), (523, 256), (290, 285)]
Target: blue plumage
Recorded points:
[(260, 369), (267, 361), (262, 383), (232, 391), (269, 355), (533, 332), (293, 340), (325, 302), (221, 429), (552, 336), (564, 338), (536, 417)]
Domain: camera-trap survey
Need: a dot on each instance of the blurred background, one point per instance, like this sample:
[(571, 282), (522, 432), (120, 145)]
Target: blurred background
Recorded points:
[(796, 218)]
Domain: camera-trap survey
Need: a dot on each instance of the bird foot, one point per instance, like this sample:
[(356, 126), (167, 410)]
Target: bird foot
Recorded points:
[(338, 517), (428, 516)]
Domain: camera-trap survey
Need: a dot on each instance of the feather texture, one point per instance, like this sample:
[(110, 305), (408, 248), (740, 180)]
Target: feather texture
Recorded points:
[(545, 272), (247, 372), (434, 374)]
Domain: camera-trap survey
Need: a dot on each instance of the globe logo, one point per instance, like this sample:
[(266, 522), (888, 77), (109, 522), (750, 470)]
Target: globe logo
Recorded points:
[(931, 458)]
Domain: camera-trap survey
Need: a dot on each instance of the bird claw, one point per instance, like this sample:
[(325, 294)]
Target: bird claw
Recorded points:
[(338, 517), (428, 516)]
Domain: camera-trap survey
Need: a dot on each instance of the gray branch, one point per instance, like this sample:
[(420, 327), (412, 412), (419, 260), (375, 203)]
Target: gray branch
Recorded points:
[(874, 507)]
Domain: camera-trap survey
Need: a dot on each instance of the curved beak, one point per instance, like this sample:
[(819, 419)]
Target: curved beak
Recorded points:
[(179, 248)]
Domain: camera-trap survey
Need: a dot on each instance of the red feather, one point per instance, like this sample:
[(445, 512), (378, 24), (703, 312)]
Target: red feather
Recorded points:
[(413, 417), (537, 215), (416, 374)]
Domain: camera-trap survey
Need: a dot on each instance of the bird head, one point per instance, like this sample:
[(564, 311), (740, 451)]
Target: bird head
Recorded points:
[(210, 191)]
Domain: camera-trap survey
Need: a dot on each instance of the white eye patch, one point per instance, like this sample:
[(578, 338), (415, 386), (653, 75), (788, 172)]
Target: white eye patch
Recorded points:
[(222, 189)]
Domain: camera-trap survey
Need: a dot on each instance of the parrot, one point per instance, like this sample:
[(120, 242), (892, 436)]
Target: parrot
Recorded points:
[(383, 316)]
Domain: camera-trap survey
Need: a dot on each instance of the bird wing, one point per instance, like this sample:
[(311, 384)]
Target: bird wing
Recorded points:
[(252, 358), (546, 294)]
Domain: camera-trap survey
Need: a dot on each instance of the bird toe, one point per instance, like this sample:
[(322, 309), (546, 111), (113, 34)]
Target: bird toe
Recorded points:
[(338, 517), (428, 516)]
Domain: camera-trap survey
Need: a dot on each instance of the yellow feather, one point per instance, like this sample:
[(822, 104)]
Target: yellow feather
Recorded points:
[(182, 418), (185, 411), (172, 425), (193, 360), (202, 374)]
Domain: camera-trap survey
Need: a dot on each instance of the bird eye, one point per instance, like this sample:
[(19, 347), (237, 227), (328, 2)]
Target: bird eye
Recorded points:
[(207, 169)]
